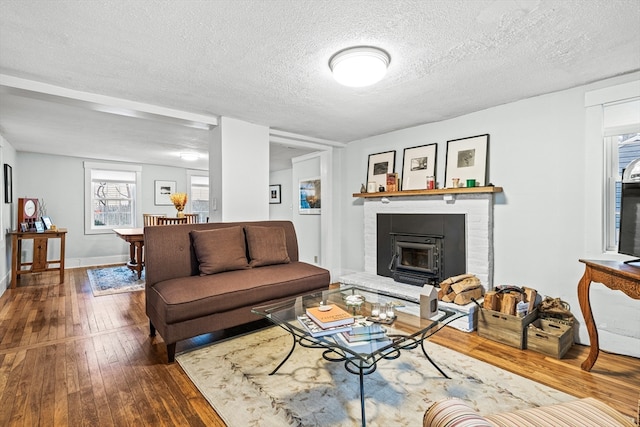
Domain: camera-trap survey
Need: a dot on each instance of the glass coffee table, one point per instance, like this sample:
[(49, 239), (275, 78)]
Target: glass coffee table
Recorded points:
[(407, 331)]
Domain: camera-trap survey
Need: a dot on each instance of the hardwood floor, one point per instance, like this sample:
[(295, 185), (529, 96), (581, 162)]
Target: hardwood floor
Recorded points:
[(69, 358)]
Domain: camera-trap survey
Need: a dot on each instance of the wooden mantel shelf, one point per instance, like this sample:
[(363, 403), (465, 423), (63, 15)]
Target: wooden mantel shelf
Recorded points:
[(471, 190)]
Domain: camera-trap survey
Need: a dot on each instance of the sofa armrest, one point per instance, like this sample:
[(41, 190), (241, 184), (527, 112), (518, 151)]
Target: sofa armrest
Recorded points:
[(453, 412)]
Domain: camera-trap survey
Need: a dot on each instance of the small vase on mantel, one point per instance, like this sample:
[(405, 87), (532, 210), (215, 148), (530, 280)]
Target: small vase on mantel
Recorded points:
[(180, 213)]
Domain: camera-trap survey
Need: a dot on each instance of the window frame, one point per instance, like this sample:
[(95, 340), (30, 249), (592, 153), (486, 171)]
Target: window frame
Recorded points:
[(88, 199), (201, 174), (595, 175)]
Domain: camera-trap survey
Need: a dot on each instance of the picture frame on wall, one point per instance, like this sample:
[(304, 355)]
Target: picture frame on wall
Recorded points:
[(467, 159), (8, 183), (163, 189), (310, 200), (417, 164), (380, 164), (274, 194)]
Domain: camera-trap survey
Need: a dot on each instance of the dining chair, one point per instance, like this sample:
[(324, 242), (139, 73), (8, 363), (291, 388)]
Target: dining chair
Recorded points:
[(151, 219), (171, 221), (191, 218)]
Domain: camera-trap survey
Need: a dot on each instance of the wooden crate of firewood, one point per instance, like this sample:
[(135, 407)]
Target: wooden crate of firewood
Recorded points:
[(550, 336), (505, 328), (506, 313)]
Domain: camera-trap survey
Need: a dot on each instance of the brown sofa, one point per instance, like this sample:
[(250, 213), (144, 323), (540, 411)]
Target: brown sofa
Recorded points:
[(587, 412), (207, 277)]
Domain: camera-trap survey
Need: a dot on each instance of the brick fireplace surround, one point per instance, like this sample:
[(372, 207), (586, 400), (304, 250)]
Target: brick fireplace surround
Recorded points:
[(478, 210)]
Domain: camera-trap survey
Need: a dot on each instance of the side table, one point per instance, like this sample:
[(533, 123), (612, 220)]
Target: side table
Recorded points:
[(40, 261), (614, 275)]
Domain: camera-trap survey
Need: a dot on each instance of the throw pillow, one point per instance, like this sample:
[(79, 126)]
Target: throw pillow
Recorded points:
[(267, 245), (219, 250)]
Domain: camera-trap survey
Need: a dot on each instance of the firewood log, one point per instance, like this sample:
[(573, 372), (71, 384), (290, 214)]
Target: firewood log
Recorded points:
[(449, 297), (464, 297), (531, 294), (455, 279), (491, 301), (467, 283), (508, 304), (445, 288)]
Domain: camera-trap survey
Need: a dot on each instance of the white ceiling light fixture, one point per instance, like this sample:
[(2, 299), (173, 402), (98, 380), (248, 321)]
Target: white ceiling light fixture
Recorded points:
[(189, 156), (359, 66)]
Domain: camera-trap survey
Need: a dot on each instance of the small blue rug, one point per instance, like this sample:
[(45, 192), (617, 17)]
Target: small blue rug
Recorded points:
[(114, 280)]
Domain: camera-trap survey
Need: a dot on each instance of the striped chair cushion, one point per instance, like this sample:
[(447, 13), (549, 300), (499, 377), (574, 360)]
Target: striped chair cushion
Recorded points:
[(453, 413), (587, 412)]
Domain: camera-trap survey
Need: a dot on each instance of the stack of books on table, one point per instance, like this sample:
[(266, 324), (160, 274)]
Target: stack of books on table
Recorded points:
[(365, 336), (320, 321)]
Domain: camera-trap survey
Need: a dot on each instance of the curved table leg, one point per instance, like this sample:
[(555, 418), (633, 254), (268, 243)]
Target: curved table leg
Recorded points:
[(432, 362), (288, 355), (585, 307)]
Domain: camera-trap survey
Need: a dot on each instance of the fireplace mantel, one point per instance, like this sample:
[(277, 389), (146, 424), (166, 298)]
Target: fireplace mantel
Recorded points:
[(436, 192)]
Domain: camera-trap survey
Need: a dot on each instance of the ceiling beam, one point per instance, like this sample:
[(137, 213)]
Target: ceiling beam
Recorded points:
[(106, 104)]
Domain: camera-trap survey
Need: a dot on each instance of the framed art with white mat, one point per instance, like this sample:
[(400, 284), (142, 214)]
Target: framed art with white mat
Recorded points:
[(380, 164), (417, 164), (467, 158)]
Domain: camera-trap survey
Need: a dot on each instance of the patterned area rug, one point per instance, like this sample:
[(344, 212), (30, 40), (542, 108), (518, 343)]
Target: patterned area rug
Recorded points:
[(114, 280), (233, 375)]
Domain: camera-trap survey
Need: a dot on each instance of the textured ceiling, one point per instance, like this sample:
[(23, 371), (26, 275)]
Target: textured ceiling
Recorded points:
[(265, 62)]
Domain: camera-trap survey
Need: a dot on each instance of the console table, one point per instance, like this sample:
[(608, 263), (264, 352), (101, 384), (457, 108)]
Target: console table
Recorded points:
[(614, 275), (40, 260)]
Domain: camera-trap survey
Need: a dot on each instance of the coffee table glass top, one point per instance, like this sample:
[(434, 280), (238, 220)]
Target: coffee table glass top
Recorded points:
[(407, 329)]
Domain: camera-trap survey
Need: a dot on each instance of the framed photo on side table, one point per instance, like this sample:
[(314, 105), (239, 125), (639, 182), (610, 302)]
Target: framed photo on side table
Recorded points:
[(467, 158), (162, 191), (47, 222), (274, 194), (418, 163), (380, 164)]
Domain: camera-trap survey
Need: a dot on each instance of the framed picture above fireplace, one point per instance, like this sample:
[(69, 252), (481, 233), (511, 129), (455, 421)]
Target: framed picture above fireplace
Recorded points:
[(418, 163), (467, 160), (380, 164)]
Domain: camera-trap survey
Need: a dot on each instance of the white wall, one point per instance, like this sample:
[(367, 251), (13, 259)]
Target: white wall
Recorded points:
[(240, 151), (283, 210), (537, 153), (59, 181), (7, 156)]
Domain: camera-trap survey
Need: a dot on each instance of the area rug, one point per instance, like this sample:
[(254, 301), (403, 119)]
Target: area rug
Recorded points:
[(114, 280), (233, 375)]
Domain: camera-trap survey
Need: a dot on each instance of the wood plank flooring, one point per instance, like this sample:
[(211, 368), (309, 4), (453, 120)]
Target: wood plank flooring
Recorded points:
[(68, 358)]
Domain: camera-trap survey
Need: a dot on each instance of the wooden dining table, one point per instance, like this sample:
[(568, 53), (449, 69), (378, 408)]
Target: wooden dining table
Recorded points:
[(135, 238)]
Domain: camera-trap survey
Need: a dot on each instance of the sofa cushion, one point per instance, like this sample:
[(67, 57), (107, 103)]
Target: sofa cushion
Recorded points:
[(267, 245), (187, 298), (219, 250)]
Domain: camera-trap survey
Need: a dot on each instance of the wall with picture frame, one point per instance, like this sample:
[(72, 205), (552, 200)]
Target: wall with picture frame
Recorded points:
[(538, 154)]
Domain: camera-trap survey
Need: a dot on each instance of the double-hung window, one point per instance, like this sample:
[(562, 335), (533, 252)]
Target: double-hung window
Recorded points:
[(622, 145), (111, 196)]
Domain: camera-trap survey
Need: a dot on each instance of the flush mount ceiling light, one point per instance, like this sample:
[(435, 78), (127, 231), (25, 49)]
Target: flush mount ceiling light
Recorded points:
[(189, 156), (359, 66)]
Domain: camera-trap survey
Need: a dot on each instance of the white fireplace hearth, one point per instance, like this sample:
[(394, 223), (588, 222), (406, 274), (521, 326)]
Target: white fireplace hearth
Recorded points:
[(478, 211)]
